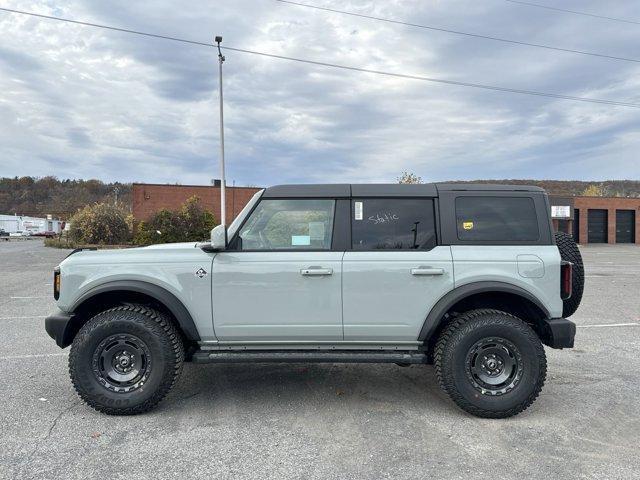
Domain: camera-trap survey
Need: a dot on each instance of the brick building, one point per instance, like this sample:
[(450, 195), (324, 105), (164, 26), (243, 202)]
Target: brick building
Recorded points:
[(597, 219), (148, 198)]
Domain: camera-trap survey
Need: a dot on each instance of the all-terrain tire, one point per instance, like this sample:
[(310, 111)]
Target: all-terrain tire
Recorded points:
[(457, 359), (569, 252), (126, 341)]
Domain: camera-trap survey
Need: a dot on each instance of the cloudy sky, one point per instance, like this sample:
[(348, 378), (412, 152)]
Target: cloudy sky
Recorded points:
[(80, 102)]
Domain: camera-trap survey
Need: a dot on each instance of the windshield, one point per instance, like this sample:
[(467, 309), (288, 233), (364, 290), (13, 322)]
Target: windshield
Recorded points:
[(243, 213)]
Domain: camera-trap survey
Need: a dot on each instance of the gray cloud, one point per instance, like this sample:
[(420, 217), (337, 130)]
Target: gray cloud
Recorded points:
[(78, 138), (18, 62)]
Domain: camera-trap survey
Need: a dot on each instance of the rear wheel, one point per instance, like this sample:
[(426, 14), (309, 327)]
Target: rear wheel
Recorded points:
[(569, 251), (126, 359), (490, 363)]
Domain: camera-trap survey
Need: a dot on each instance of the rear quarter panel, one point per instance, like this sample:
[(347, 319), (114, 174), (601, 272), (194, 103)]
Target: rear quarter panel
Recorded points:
[(517, 265)]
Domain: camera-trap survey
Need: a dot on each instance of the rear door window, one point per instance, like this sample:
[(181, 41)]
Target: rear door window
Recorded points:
[(503, 219), (392, 224)]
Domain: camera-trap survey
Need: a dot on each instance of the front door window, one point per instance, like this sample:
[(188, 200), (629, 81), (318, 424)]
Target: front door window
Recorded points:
[(288, 225)]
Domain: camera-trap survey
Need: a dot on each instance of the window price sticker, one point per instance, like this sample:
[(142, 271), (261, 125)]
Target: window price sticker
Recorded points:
[(358, 210)]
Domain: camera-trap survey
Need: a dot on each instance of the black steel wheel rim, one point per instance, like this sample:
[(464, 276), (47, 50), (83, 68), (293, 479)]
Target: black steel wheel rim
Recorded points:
[(494, 366), (122, 363)]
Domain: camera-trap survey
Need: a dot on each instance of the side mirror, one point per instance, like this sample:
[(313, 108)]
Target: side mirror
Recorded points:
[(219, 238)]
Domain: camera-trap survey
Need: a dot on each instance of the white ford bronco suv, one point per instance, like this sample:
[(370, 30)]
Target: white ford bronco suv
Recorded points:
[(470, 278)]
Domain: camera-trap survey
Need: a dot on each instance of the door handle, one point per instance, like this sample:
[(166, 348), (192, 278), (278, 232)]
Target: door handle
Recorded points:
[(316, 271), (427, 271)]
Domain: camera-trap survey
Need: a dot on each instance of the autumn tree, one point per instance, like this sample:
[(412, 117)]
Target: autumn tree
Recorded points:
[(101, 224), (593, 191)]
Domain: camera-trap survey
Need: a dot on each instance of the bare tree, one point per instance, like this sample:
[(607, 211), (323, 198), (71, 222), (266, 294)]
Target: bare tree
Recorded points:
[(409, 178)]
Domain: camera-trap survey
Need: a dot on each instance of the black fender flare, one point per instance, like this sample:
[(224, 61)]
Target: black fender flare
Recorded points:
[(160, 294), (447, 301)]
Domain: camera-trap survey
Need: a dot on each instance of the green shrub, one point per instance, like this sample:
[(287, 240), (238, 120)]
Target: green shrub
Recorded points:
[(100, 224), (191, 223)]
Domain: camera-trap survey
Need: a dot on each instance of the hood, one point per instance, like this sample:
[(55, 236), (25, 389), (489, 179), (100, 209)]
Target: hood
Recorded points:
[(158, 254)]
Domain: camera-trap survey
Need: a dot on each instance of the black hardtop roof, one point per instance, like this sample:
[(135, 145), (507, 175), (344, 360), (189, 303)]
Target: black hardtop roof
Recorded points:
[(344, 190), (487, 187)]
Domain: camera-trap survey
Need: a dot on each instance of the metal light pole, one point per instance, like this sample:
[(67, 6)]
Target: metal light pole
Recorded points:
[(223, 207)]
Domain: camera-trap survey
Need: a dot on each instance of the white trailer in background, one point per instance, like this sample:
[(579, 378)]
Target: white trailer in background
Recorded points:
[(20, 224)]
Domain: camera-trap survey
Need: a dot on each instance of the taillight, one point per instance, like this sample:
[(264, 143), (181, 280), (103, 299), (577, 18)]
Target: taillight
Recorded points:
[(56, 283), (566, 272)]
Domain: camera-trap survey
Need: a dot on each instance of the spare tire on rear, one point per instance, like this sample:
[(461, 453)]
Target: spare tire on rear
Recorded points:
[(569, 252)]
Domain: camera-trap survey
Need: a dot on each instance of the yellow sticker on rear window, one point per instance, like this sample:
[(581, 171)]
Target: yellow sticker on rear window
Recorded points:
[(467, 225)]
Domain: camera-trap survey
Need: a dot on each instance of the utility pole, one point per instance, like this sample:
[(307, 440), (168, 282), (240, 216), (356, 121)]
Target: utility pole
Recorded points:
[(223, 214)]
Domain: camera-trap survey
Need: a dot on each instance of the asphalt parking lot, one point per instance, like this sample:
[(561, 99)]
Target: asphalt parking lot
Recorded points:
[(323, 421)]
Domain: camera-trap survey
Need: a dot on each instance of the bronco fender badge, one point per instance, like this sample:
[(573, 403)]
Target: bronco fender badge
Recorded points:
[(201, 272)]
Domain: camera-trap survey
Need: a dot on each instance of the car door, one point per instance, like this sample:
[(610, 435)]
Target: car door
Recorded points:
[(395, 271), (280, 281)]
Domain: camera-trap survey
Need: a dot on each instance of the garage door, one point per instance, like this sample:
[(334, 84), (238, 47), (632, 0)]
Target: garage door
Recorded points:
[(625, 226), (597, 226), (576, 225)]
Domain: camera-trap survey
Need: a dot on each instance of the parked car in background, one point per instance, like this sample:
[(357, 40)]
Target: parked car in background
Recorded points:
[(48, 234)]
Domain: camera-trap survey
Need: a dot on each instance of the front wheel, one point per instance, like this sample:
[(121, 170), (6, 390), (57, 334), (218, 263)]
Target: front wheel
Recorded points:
[(490, 363), (126, 359)]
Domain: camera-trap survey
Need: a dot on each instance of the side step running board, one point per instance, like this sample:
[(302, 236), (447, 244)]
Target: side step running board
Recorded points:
[(308, 357)]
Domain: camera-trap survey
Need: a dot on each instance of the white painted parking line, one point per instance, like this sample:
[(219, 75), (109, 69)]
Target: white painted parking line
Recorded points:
[(25, 317), (26, 357), (611, 265), (605, 325)]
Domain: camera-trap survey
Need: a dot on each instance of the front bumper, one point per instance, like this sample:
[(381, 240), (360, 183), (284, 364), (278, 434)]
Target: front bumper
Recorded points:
[(60, 327), (559, 332)]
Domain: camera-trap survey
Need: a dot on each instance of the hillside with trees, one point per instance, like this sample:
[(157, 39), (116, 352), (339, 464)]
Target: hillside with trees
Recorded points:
[(607, 188), (568, 188), (60, 198)]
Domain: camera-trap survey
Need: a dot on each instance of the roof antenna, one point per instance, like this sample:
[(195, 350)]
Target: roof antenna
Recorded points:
[(223, 207)]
